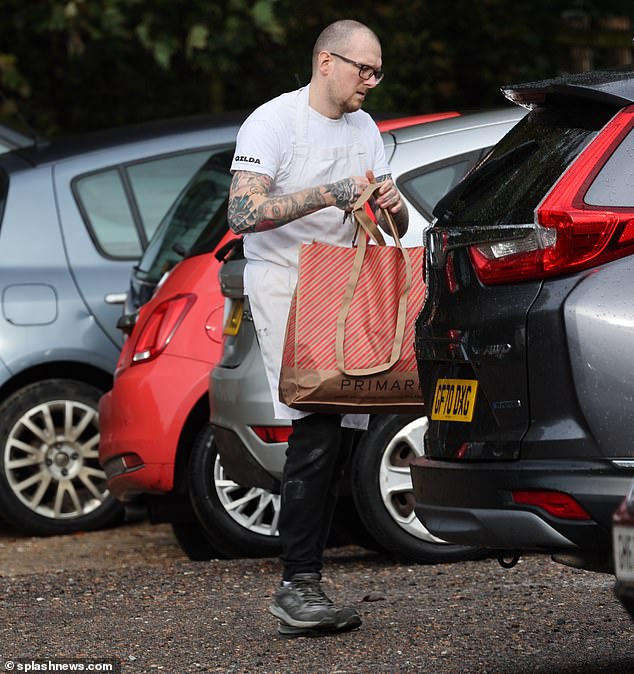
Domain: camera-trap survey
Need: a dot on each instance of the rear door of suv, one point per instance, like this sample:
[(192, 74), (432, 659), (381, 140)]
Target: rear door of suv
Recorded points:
[(485, 272)]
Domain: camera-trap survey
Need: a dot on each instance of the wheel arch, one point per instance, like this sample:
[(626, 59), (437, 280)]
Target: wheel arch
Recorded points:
[(198, 415), (88, 374)]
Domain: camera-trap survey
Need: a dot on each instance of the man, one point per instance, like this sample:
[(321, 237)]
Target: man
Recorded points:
[(302, 160)]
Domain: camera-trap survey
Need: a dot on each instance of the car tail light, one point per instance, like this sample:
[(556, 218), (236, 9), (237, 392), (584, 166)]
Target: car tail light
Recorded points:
[(556, 503), (569, 235), (160, 326), (272, 434)]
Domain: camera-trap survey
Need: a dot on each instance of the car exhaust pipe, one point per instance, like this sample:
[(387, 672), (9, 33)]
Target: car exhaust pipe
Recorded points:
[(507, 560)]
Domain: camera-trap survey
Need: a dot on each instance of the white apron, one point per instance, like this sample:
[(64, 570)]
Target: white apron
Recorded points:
[(270, 286)]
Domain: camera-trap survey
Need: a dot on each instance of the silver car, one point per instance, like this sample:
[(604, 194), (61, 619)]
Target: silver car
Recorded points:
[(426, 160), (75, 217)]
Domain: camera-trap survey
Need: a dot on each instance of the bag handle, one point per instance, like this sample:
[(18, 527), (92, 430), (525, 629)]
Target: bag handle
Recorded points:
[(399, 331), (364, 220)]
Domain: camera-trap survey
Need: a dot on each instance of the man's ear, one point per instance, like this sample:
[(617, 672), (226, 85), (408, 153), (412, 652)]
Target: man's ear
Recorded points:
[(324, 62)]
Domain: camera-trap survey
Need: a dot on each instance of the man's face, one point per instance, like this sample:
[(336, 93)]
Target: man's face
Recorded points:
[(346, 89)]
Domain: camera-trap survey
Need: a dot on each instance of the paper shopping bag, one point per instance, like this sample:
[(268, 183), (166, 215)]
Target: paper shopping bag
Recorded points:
[(349, 343)]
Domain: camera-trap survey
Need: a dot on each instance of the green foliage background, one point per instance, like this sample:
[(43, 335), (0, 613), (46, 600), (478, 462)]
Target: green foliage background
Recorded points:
[(74, 65)]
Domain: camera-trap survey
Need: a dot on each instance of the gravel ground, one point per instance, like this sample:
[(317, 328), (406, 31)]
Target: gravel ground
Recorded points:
[(130, 594)]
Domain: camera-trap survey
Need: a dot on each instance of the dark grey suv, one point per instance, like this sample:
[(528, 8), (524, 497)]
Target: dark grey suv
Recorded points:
[(75, 216), (526, 341)]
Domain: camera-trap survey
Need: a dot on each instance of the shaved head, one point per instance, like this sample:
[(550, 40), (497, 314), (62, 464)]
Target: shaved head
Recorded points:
[(338, 36)]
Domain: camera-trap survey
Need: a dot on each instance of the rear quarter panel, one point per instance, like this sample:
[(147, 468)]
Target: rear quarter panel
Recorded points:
[(599, 316)]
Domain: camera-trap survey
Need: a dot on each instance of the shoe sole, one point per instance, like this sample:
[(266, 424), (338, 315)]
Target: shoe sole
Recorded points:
[(281, 614), (325, 625), (290, 632)]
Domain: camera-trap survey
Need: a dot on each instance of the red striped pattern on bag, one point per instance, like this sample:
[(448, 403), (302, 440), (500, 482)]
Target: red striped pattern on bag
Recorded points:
[(370, 326)]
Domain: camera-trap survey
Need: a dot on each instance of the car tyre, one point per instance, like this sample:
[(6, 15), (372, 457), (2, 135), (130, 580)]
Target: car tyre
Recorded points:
[(383, 494), (193, 541), (241, 521), (51, 481)]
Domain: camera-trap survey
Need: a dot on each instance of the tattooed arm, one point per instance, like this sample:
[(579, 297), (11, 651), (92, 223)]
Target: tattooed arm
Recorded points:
[(389, 199), (251, 209)]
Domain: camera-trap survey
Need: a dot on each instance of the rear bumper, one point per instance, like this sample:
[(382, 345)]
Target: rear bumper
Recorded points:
[(141, 420), (240, 398), (472, 503)]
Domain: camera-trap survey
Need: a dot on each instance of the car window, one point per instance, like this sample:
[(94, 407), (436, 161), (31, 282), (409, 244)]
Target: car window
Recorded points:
[(514, 178), (156, 185), (123, 206), (107, 209), (425, 187), (198, 216), (614, 184)]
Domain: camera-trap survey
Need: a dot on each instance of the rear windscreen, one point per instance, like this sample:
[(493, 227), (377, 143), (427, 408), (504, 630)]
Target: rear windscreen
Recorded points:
[(514, 178)]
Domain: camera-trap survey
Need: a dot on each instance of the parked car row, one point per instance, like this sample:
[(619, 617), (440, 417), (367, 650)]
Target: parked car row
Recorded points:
[(219, 486), (524, 342)]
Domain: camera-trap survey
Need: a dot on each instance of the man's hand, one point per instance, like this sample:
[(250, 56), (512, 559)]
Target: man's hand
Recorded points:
[(387, 196), (389, 199), (347, 191)]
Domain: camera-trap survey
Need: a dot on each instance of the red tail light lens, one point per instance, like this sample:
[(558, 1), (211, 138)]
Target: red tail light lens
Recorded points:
[(556, 503), (271, 434), (160, 327), (569, 234)]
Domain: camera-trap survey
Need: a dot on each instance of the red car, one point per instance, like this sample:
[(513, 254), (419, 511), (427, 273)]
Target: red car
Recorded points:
[(159, 404)]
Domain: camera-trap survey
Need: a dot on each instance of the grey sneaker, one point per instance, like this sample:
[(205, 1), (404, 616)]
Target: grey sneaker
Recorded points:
[(304, 609)]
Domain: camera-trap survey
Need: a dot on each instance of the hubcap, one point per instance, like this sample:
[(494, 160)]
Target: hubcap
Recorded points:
[(253, 508), (52, 462), (395, 481)]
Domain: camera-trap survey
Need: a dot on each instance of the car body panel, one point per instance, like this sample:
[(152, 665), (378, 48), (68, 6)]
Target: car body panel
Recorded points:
[(599, 317)]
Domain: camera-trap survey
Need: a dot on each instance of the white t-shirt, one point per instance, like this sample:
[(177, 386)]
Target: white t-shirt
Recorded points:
[(298, 147)]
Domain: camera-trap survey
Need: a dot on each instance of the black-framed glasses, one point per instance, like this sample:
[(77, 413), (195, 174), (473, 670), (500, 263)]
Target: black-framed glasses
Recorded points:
[(365, 71)]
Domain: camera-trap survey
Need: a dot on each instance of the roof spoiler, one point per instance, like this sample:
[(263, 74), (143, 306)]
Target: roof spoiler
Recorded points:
[(610, 86)]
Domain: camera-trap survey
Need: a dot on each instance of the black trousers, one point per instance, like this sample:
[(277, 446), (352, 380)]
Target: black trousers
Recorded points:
[(318, 450)]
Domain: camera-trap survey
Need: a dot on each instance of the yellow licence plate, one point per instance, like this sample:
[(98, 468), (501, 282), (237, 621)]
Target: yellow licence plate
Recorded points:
[(234, 318), (454, 400)]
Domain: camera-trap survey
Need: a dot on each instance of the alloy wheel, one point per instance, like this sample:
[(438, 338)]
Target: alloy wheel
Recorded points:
[(253, 508), (395, 481), (51, 460)]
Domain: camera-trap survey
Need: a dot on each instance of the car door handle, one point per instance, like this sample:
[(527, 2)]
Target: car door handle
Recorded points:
[(115, 298)]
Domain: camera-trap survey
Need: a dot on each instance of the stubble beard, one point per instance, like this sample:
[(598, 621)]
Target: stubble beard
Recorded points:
[(346, 105)]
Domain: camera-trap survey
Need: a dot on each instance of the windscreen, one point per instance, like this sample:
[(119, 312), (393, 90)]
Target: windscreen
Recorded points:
[(197, 217)]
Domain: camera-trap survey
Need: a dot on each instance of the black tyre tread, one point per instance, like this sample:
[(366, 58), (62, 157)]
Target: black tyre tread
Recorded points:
[(194, 542)]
